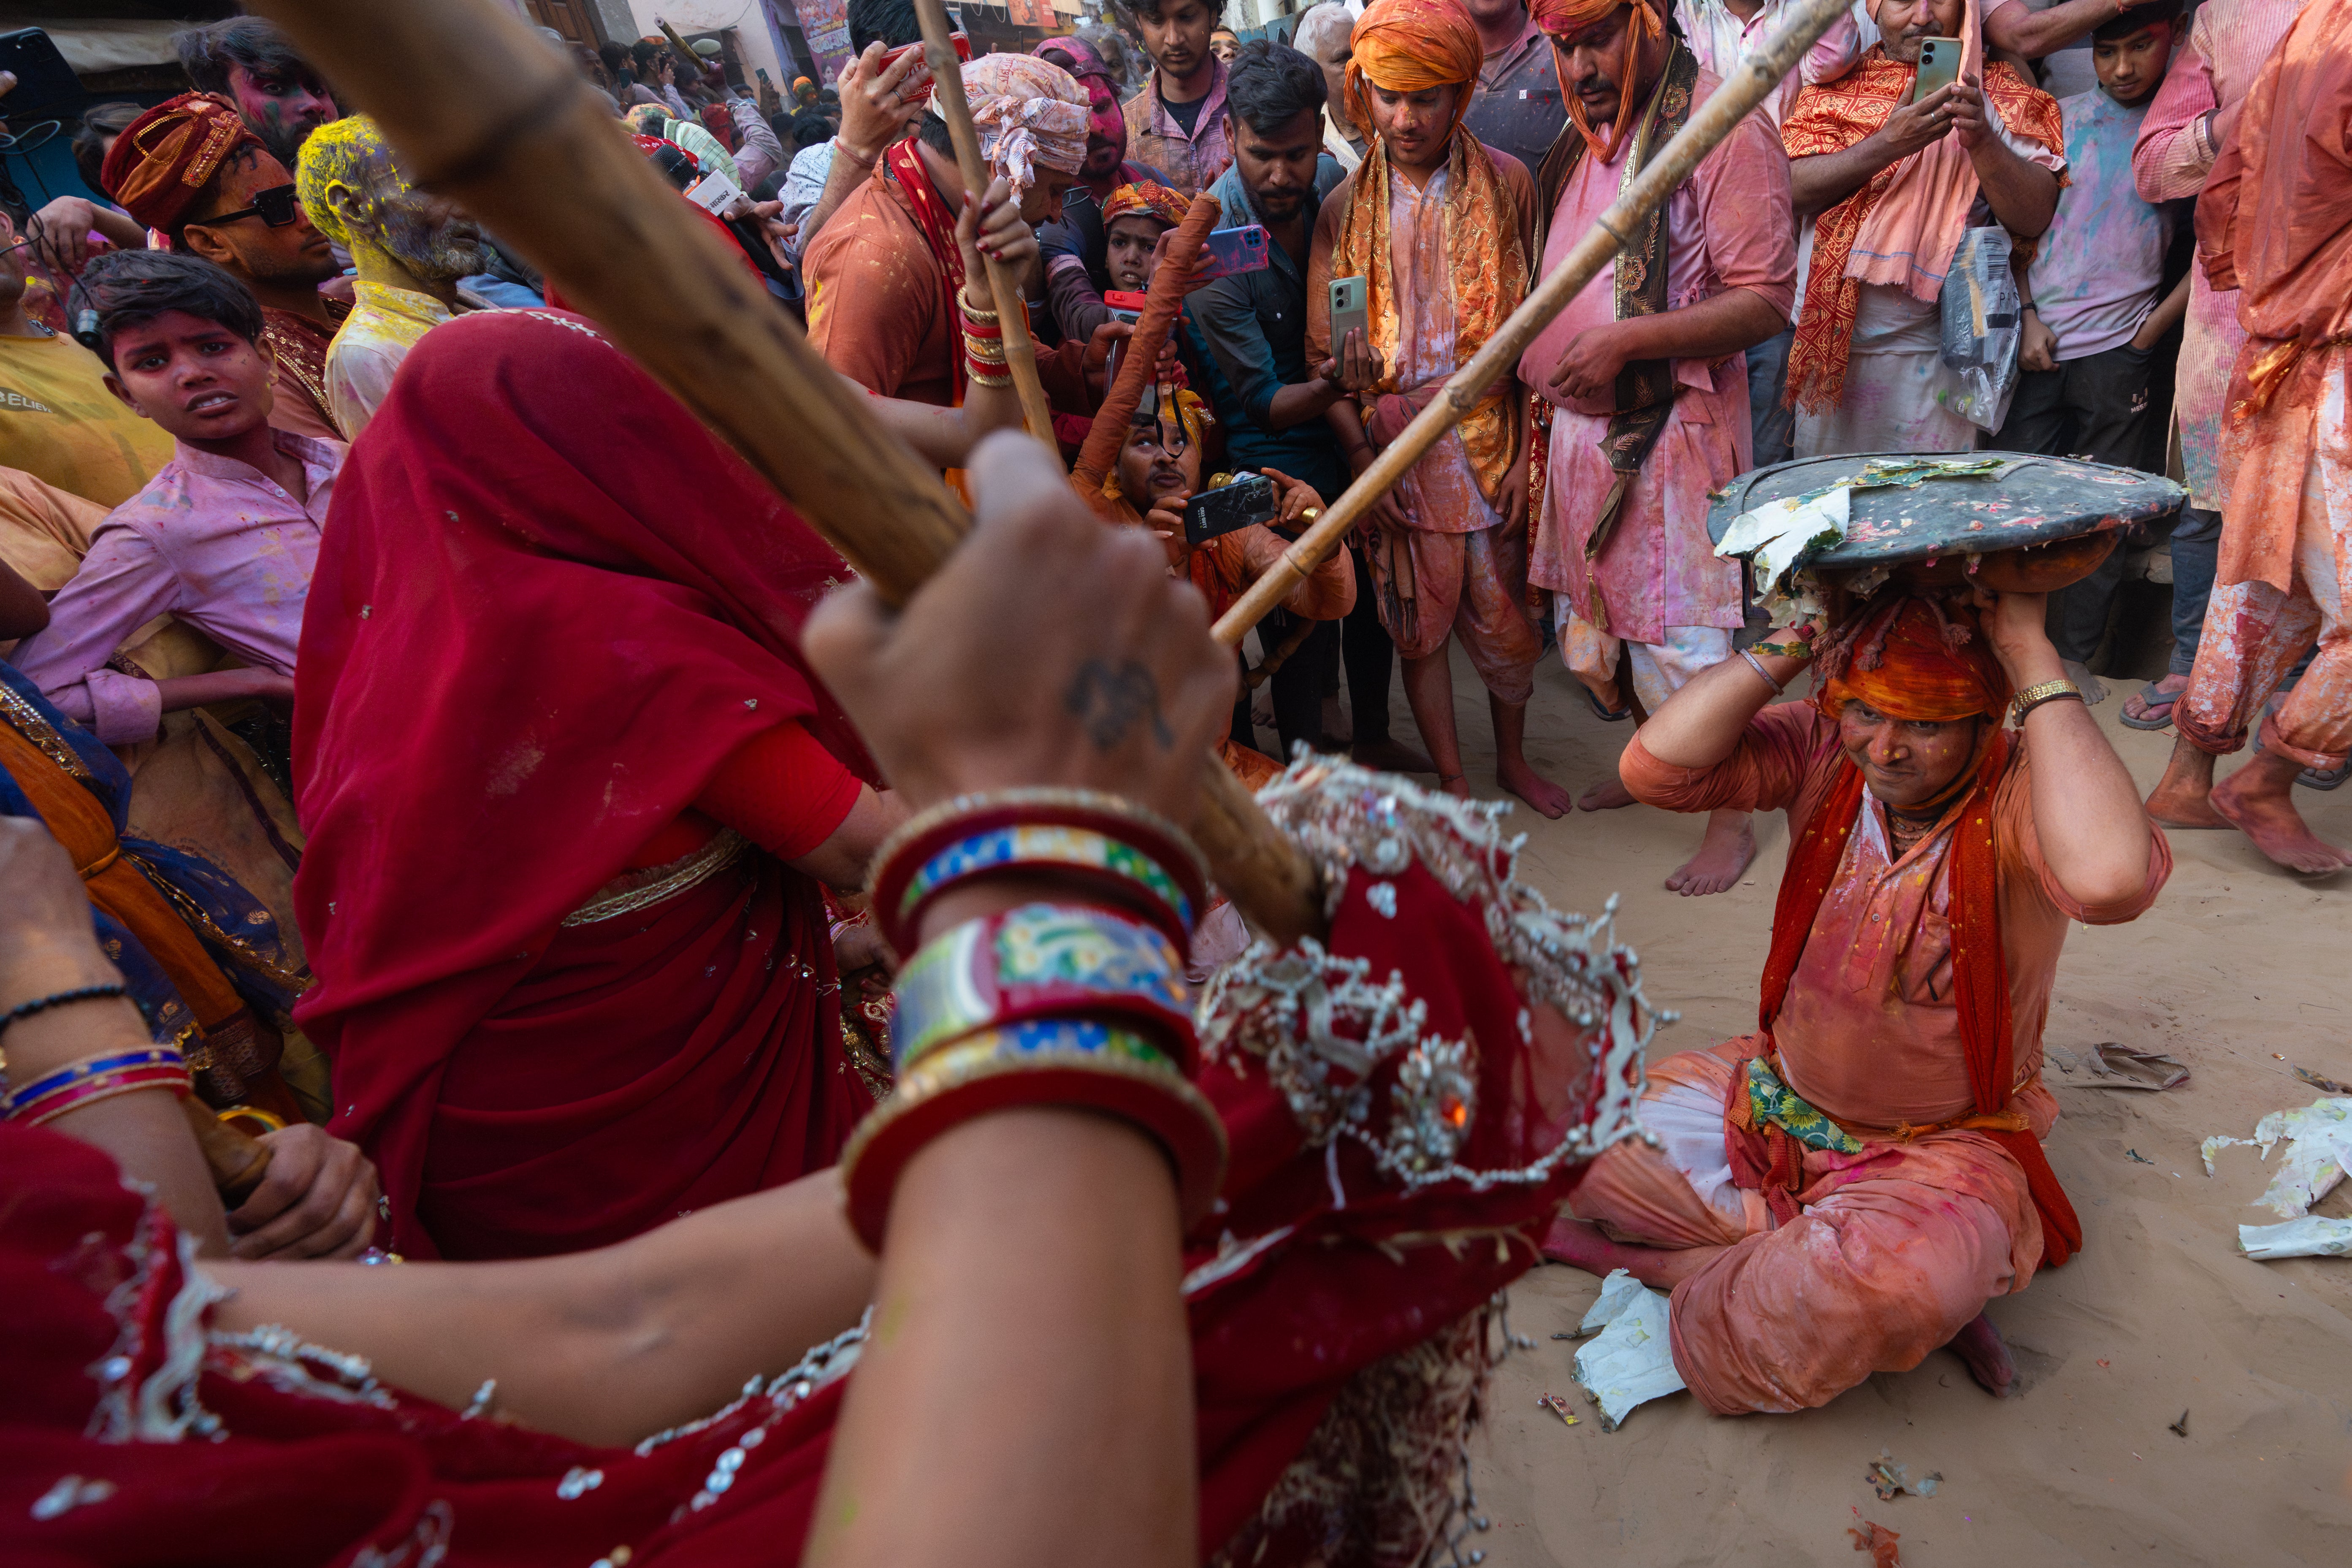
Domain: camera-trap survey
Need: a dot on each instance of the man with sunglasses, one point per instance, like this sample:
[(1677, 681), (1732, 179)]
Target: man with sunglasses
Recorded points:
[(238, 210)]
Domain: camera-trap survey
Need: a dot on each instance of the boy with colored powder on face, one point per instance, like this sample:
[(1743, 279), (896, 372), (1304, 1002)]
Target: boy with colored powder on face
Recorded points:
[(1177, 123), (2096, 305), (223, 536)]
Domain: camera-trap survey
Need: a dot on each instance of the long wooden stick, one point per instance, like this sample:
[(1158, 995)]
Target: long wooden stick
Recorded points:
[(1020, 348), (482, 111), (1758, 75)]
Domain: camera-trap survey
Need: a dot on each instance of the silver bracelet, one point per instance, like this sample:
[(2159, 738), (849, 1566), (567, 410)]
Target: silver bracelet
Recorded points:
[(1758, 666)]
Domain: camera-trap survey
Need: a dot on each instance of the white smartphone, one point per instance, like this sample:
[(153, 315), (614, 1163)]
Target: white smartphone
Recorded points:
[(1349, 298), (1939, 66), (715, 193)]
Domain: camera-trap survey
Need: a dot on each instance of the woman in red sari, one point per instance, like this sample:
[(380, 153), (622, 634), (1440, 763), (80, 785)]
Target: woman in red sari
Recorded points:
[(571, 795)]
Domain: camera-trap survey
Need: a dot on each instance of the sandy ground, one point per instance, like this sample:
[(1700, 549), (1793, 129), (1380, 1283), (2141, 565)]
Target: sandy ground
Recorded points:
[(2241, 971)]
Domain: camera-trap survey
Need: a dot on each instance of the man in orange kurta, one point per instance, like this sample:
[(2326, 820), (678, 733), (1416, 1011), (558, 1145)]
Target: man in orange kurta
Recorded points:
[(1843, 1191), (2276, 224)]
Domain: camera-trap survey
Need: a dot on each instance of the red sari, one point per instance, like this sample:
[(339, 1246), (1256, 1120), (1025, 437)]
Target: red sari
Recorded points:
[(547, 611)]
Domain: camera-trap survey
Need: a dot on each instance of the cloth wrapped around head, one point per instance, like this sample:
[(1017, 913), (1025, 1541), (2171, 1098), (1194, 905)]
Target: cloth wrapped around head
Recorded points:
[(1912, 657), (164, 160), (1085, 59), (1027, 111), (1192, 412), (1149, 199), (1412, 46), (1561, 20)]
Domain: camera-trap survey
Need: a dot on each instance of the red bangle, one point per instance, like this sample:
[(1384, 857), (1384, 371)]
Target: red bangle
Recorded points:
[(105, 1086)]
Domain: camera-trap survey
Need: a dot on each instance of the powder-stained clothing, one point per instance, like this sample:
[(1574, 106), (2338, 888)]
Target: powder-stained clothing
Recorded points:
[(1720, 39), (1727, 228), (2099, 270), (44, 531), (2227, 44), (385, 324), (1191, 161), (59, 424), (1470, 586), (2276, 220), (1517, 106), (1899, 1245), (300, 380), (209, 540)]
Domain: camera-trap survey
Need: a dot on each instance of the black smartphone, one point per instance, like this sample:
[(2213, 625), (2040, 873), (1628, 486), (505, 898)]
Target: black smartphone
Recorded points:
[(46, 87), (1247, 499)]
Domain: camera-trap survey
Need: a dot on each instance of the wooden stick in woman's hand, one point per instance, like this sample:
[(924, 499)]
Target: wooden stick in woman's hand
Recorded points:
[(1020, 348)]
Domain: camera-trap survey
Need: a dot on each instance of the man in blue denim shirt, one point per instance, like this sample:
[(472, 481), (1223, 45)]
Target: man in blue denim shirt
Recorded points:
[(1267, 397)]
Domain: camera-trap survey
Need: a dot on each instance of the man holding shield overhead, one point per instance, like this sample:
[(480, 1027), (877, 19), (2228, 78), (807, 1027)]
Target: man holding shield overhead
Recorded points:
[(1642, 384), (1886, 187), (1441, 227), (1842, 1191)]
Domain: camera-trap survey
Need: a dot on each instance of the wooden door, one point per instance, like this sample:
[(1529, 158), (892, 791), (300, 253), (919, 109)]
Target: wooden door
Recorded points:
[(569, 17)]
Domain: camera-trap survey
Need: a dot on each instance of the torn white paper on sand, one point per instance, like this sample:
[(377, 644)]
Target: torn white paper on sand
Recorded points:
[(1632, 1362), (2319, 1152), (2310, 1237)]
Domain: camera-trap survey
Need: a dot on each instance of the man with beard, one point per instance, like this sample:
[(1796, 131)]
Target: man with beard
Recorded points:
[(410, 249), (1644, 383), (1177, 123), (248, 62), (1886, 186), (238, 211)]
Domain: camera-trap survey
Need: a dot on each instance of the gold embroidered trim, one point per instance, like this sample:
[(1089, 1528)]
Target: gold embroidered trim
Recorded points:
[(40, 732), (705, 863)]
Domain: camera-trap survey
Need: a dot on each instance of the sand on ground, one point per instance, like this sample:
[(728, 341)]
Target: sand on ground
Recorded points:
[(2242, 972)]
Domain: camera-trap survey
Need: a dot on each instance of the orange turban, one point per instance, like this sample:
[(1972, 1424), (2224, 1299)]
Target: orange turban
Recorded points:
[(1146, 198), (1913, 657), (1560, 19), (1410, 45), (163, 159)]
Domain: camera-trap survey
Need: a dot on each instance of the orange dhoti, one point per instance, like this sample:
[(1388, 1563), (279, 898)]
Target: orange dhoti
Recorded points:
[(1893, 1250)]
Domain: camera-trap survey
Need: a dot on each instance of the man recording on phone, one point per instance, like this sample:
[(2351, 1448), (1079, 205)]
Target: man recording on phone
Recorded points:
[(1269, 402)]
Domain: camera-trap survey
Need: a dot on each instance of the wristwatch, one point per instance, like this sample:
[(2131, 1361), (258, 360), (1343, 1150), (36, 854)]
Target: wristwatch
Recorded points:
[(2033, 697)]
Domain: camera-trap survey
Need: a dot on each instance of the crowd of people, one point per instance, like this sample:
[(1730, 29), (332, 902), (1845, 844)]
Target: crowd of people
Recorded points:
[(475, 811)]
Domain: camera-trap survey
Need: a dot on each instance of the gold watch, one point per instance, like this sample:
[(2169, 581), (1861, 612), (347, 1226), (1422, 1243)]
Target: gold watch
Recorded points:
[(2033, 697)]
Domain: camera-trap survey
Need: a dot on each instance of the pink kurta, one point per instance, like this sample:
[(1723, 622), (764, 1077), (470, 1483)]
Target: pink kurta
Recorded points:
[(1899, 1245), (2227, 44), (1727, 228)]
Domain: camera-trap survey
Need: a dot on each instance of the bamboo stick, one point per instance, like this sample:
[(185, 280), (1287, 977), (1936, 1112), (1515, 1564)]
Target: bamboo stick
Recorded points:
[(1758, 76), (1020, 348), (482, 111)]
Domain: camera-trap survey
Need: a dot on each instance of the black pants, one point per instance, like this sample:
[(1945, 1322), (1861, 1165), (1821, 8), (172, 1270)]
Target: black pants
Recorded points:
[(1296, 687), (2094, 407), (1371, 653)]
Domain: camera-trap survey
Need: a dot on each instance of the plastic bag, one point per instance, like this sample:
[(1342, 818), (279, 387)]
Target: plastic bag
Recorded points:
[(1982, 315)]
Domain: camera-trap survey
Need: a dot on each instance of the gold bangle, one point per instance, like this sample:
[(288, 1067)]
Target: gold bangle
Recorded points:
[(972, 374), (985, 318)]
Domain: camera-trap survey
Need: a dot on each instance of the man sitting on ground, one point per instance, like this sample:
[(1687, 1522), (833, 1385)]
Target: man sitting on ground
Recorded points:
[(1844, 1190), (235, 207), (223, 536), (410, 248)]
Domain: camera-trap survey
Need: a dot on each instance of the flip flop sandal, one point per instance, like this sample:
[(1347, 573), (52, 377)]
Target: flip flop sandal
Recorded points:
[(2158, 703), (2324, 778), (1619, 717)]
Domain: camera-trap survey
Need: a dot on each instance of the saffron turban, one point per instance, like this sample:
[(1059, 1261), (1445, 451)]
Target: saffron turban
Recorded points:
[(164, 161), (1563, 19), (1913, 657), (1027, 111), (1412, 46), (1145, 198)]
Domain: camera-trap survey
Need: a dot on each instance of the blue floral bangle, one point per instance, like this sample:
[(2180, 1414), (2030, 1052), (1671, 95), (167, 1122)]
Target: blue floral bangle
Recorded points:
[(1042, 961)]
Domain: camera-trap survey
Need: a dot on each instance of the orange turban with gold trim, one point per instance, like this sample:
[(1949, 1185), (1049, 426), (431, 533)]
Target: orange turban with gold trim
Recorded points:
[(1913, 657), (1412, 46), (165, 159)]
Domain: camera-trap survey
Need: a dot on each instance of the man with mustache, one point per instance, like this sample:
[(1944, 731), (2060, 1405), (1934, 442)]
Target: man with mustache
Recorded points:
[(238, 211), (1643, 381), (1843, 1191), (410, 249), (1885, 188), (248, 63), (1441, 228)]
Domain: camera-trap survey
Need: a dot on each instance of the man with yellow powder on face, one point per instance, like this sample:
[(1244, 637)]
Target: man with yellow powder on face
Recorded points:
[(410, 249), (1441, 228)]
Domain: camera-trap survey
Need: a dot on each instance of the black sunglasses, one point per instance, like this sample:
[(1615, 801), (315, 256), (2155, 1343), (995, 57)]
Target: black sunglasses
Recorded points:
[(276, 206)]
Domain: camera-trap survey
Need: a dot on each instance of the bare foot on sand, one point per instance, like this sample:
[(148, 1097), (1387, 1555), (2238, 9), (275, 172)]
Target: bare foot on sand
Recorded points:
[(2179, 798), (1546, 797), (1391, 756), (1580, 1243), (1980, 1345), (1607, 795), (1456, 784), (1723, 855), (2258, 801)]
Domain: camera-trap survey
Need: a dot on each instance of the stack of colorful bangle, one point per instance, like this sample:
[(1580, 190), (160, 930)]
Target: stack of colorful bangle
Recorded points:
[(1055, 1005), (93, 1079), (983, 347)]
